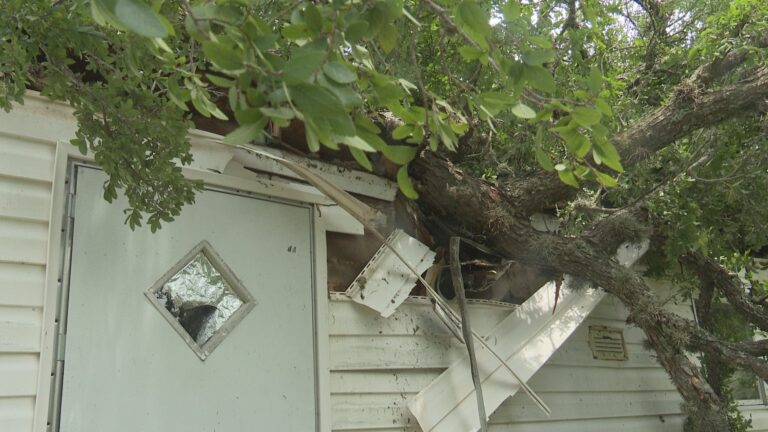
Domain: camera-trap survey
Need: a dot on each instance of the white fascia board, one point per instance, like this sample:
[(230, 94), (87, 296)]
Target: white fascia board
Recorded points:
[(208, 149), (526, 339), (334, 217), (45, 120), (357, 182)]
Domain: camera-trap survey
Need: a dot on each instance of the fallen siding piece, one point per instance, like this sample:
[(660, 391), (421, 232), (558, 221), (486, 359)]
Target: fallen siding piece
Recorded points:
[(526, 339), (386, 281)]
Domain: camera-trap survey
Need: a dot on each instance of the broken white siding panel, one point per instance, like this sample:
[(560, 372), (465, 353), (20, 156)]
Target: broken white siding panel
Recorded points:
[(376, 362), (414, 317), (526, 340), (385, 282)]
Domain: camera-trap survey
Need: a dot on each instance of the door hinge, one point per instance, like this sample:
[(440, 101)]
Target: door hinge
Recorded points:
[(61, 346), (71, 205)]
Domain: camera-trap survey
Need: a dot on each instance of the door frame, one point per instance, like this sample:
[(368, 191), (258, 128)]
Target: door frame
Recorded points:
[(48, 399)]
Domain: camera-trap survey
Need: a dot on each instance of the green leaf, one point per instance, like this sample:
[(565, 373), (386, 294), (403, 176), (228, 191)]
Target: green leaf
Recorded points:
[(538, 57), (278, 113), (296, 31), (604, 108), (339, 72), (357, 143), (567, 177), (470, 53), (474, 21), (387, 38), (356, 31), (605, 179), (199, 105), (543, 159), (216, 112), (323, 107), (302, 64), (523, 111), (586, 117), (137, 16), (540, 78), (371, 139), (402, 131), (404, 182), (349, 97), (235, 99), (595, 80), (177, 95), (81, 144), (460, 128), (243, 134), (607, 154), (511, 10), (361, 158), (364, 123), (219, 81), (312, 142), (313, 18), (399, 154), (540, 42), (222, 56), (578, 144), (248, 115)]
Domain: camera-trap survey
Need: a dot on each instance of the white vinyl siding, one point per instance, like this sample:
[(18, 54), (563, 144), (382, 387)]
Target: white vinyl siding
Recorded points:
[(378, 364), (28, 138)]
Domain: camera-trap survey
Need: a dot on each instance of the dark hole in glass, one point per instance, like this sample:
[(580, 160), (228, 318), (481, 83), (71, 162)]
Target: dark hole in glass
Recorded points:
[(199, 298)]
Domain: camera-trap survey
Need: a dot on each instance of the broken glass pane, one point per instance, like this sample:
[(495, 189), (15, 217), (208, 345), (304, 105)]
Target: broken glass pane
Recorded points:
[(199, 297)]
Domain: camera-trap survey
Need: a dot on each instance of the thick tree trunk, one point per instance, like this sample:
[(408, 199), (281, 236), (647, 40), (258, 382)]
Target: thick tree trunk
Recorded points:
[(472, 205), (713, 367), (498, 217)]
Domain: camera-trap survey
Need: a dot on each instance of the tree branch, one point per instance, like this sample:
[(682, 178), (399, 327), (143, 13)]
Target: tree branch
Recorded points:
[(688, 111), (709, 271)]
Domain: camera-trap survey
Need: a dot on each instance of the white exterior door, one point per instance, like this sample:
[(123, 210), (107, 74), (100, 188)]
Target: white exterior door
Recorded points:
[(130, 365)]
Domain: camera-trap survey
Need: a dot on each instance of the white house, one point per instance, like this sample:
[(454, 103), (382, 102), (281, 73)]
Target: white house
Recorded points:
[(98, 331)]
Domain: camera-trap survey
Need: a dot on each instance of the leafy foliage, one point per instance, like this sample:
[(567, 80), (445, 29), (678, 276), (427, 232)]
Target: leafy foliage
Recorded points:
[(512, 88), (332, 66)]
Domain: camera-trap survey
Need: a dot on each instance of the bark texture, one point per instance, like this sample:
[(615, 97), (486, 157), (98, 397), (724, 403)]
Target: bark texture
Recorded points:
[(690, 110), (472, 205)]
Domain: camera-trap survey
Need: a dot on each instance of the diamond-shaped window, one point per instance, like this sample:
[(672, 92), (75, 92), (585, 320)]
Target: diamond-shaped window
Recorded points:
[(201, 298)]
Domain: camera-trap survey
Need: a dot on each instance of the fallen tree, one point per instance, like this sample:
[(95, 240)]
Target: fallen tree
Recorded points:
[(625, 119)]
